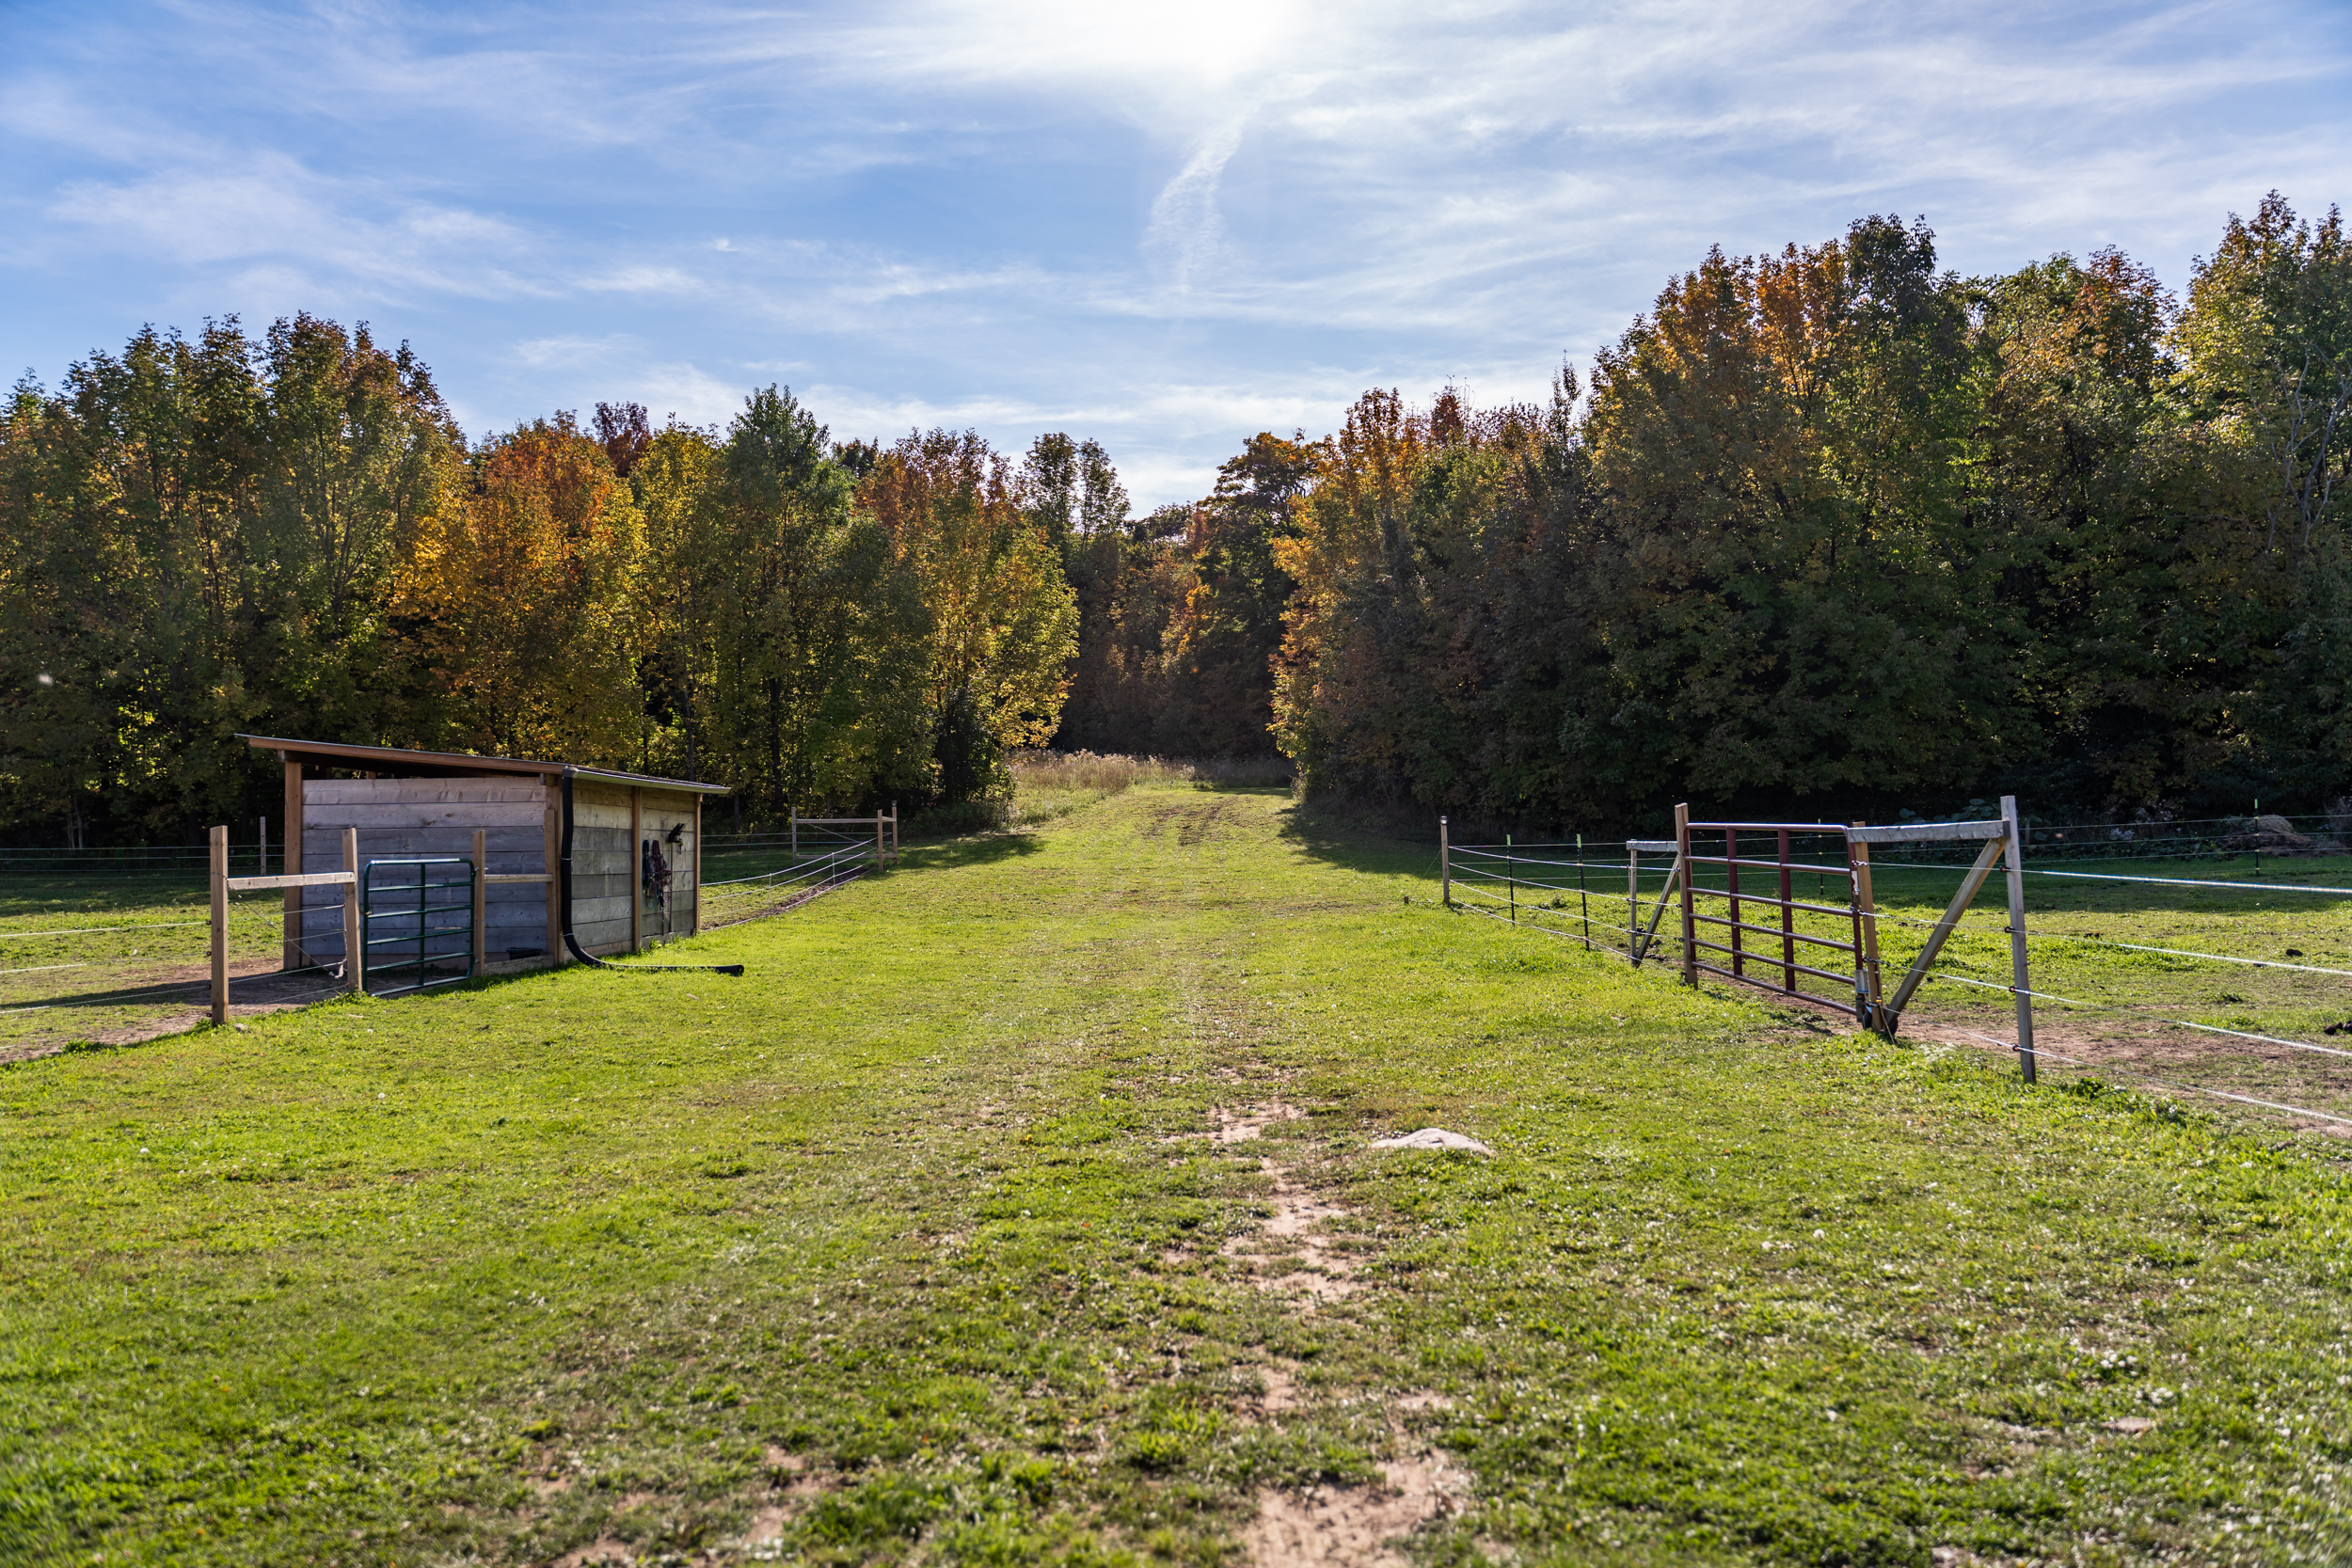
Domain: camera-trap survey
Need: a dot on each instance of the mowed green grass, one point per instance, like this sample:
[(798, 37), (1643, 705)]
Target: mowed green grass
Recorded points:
[(906, 1247), (87, 955), (2124, 956)]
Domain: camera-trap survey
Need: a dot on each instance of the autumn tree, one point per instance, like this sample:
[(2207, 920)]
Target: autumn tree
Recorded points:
[(819, 639), (524, 597), (202, 538), (1004, 627)]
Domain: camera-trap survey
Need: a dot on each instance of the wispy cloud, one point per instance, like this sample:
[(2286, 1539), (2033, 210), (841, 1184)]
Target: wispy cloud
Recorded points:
[(1173, 224)]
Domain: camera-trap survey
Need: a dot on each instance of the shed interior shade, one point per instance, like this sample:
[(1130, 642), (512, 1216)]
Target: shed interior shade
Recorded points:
[(400, 762)]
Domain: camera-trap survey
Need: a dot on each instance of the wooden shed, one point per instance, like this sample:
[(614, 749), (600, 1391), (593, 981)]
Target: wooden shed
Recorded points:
[(635, 845)]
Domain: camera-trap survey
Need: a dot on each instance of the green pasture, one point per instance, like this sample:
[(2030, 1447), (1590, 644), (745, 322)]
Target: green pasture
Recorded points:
[(909, 1247), (2124, 967)]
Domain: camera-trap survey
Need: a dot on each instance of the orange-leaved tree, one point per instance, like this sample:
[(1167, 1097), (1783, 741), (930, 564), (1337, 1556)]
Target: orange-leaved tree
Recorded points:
[(1005, 627), (1351, 558), (523, 595)]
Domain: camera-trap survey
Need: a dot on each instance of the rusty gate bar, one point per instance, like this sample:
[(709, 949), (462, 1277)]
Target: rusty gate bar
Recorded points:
[(1731, 892), (1789, 972), (1788, 918)]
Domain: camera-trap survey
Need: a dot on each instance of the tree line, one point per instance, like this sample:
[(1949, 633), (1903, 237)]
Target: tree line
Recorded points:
[(219, 536), (1836, 527), (1833, 526)]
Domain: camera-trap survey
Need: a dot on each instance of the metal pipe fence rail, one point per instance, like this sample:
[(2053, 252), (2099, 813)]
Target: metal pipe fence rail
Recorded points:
[(1754, 928), (796, 879), (1712, 882)]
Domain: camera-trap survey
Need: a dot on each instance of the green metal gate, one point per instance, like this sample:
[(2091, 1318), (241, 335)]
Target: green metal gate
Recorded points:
[(407, 921)]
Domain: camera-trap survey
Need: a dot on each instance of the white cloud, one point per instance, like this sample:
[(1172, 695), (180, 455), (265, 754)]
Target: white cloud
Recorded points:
[(1170, 224)]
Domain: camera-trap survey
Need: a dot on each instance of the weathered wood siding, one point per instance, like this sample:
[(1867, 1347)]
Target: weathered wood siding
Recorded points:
[(412, 818), (407, 818), (662, 810), (604, 866), (607, 866)]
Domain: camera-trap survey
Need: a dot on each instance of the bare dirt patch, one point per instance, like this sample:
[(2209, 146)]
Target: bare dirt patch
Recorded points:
[(2167, 1059), (1291, 1252), (1296, 1255), (159, 1000), (1194, 824), (1354, 1524)]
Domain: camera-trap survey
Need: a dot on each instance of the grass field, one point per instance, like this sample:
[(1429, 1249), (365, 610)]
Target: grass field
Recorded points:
[(2127, 971), (1017, 1207)]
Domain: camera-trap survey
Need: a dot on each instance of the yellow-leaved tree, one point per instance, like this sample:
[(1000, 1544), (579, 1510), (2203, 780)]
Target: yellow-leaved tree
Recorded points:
[(1005, 625), (523, 600)]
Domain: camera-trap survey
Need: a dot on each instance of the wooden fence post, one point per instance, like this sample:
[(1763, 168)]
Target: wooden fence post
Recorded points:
[(296, 900), (220, 924), (1689, 914), (355, 943), (1633, 901), (1445, 865), (878, 838), (1866, 905), (2020, 979), (796, 832), (1583, 906), (481, 900)]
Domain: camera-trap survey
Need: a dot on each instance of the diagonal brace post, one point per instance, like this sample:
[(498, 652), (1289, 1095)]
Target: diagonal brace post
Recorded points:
[(1987, 858), (1646, 939)]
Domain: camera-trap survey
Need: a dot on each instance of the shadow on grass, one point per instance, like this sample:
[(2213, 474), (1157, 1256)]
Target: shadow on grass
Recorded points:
[(971, 850), (95, 893), (1355, 841)]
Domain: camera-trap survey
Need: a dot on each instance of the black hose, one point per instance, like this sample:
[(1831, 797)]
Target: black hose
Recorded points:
[(564, 893)]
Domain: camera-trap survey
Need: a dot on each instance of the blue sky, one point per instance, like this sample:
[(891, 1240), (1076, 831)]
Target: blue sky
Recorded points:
[(1165, 227)]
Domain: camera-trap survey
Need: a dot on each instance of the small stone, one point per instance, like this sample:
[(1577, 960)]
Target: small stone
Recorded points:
[(1434, 1137), (2132, 1426)]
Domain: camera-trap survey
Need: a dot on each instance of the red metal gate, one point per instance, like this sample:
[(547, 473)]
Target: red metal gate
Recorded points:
[(1715, 895)]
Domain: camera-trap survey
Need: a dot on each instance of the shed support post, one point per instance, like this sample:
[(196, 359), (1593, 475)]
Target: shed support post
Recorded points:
[(552, 853), (291, 861), (355, 936), (220, 924), (636, 878), (1690, 921), (1445, 865), (694, 927), (481, 900), (2021, 984)]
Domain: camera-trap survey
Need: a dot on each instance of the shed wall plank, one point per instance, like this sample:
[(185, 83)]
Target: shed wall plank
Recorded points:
[(462, 816), (336, 792)]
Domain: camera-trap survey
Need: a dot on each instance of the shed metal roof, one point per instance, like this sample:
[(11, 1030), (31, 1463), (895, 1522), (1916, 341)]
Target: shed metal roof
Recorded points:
[(400, 760)]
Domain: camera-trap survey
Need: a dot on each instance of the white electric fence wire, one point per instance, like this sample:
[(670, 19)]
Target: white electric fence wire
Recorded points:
[(2126, 1010), (796, 870), (1531, 912), (91, 930), (2191, 881), (2048, 1056)]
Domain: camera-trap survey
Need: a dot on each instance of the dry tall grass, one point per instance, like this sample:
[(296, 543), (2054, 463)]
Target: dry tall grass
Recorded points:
[(1090, 772)]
